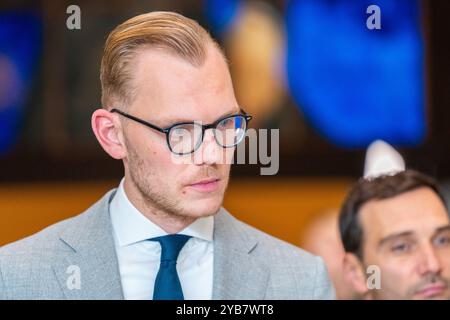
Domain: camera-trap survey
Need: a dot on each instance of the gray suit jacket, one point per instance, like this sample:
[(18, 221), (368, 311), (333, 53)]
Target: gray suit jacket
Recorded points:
[(248, 264)]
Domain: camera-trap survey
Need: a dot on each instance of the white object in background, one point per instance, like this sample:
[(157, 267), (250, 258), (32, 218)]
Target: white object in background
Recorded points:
[(382, 159)]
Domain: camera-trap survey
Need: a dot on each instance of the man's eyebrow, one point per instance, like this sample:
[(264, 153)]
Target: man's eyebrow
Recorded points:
[(394, 236), (168, 121), (409, 233), (230, 113), (444, 228)]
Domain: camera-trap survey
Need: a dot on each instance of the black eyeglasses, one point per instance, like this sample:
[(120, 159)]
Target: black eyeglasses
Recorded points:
[(186, 137)]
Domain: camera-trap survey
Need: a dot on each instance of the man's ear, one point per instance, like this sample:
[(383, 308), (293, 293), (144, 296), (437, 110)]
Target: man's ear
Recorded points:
[(107, 128), (355, 274)]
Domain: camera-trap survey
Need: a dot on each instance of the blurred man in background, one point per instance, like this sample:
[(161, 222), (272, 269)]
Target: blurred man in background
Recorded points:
[(322, 239), (163, 233), (395, 229)]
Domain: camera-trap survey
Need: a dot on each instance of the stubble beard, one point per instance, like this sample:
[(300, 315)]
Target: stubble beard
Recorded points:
[(155, 199)]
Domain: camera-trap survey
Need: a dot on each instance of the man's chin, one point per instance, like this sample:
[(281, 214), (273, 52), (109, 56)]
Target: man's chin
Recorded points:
[(203, 208)]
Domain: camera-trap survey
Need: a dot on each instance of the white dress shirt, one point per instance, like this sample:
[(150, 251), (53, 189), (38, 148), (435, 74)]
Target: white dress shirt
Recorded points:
[(139, 257)]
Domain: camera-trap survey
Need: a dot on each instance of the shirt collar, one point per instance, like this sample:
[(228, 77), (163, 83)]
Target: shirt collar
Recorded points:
[(131, 226)]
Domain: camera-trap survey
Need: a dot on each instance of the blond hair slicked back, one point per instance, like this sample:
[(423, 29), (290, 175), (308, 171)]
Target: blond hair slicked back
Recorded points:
[(168, 31)]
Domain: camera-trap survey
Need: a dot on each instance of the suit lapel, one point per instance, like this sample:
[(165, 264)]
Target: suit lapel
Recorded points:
[(88, 248), (90, 254), (237, 275)]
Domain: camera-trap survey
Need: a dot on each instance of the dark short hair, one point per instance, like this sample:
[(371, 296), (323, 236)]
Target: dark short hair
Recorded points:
[(382, 187)]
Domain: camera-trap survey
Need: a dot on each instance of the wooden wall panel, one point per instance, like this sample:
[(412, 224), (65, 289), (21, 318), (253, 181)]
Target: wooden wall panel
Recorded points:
[(280, 207)]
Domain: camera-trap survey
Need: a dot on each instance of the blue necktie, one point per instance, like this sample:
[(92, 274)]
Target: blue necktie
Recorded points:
[(167, 284)]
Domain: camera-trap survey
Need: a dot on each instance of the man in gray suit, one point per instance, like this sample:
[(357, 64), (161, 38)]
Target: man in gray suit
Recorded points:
[(162, 233)]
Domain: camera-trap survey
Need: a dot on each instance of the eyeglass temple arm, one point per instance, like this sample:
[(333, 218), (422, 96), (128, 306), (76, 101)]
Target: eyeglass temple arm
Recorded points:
[(247, 116), (145, 123)]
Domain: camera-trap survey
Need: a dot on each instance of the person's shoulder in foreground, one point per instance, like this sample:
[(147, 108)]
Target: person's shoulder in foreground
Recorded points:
[(294, 272), (43, 265), (28, 266)]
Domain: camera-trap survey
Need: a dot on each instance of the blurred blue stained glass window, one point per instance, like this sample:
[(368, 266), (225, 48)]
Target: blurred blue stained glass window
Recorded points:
[(352, 84), (355, 85), (20, 45)]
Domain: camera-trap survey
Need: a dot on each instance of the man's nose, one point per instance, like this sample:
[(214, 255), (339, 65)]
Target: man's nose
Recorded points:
[(430, 262), (209, 151)]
